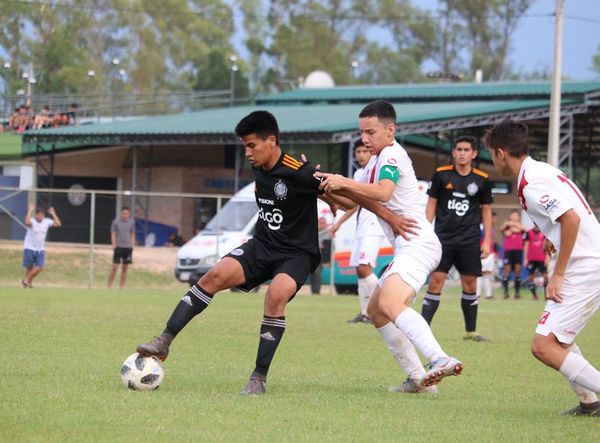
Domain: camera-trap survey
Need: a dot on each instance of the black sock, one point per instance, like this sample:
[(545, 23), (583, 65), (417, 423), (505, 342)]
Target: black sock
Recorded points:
[(505, 284), (430, 305), (517, 285), (191, 304), (271, 332), (469, 303)]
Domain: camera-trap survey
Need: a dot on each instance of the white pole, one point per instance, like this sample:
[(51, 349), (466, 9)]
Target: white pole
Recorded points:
[(92, 226), (554, 126)]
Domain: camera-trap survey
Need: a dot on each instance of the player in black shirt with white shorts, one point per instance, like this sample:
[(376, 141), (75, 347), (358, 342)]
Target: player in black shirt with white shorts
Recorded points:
[(284, 249), (460, 198)]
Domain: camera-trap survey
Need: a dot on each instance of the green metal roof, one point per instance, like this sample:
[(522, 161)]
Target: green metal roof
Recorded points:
[(217, 125), (433, 91), (10, 146)]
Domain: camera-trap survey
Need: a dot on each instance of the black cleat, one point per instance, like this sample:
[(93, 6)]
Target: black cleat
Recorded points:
[(159, 348), (583, 410), (360, 318)]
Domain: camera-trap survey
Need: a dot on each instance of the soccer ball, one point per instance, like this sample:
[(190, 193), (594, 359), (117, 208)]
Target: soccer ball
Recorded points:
[(142, 373)]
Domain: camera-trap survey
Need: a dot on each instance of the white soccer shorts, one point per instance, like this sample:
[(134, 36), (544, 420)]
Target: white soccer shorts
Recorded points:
[(581, 299), (415, 260), (365, 250)]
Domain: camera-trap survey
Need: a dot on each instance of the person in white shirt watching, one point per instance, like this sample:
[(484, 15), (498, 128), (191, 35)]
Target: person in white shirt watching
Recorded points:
[(35, 240), (367, 240), (558, 208)]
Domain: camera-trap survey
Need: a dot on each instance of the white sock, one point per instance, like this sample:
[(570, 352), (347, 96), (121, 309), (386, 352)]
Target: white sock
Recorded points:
[(418, 331), (578, 370), (487, 285), (366, 287), (402, 350), (584, 395)]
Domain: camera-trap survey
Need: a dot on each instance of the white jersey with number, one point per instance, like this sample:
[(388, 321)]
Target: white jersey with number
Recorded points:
[(366, 221), (416, 258), (406, 198), (546, 193)]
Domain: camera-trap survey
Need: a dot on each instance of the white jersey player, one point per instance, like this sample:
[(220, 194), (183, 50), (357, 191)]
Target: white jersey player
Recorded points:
[(367, 240), (558, 208), (391, 180)]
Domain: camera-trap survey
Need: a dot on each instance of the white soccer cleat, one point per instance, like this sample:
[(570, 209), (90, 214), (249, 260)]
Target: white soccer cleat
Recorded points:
[(442, 367), (411, 386)]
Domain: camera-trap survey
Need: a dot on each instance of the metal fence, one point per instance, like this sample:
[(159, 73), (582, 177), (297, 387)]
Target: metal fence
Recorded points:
[(79, 253)]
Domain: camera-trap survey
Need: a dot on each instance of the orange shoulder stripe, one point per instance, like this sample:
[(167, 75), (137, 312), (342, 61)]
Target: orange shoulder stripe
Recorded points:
[(445, 168), (480, 172)]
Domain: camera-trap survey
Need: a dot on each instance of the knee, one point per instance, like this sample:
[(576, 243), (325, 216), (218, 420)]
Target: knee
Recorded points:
[(214, 280), (538, 350), (275, 302)]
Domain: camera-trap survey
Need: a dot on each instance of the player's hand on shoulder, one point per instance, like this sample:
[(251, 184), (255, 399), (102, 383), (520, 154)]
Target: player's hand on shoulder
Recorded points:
[(331, 182)]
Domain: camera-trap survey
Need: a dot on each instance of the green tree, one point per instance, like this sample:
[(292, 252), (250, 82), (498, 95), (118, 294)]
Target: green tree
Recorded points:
[(596, 61), (484, 28), (216, 72)]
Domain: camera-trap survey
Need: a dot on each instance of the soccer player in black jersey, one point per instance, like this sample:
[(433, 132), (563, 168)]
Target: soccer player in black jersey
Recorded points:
[(460, 199), (284, 249)]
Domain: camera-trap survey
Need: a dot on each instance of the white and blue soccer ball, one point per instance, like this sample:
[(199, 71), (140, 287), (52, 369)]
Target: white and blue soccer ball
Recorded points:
[(142, 373)]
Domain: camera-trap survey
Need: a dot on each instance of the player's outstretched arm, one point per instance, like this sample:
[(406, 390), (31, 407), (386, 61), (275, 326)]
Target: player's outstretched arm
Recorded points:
[(569, 228), (381, 191)]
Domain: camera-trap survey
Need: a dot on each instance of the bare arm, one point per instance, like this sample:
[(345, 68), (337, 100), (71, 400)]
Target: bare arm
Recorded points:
[(30, 210), (569, 228), (343, 219), (381, 191), (486, 217), (113, 239), (430, 209), (54, 215)]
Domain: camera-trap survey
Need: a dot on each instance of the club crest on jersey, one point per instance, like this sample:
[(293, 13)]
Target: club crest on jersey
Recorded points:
[(281, 190), (472, 189)]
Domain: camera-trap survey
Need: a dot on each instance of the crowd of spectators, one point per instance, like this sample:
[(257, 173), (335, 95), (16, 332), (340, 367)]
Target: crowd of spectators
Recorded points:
[(24, 119)]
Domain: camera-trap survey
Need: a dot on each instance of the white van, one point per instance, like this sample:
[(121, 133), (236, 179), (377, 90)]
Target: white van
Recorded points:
[(234, 226)]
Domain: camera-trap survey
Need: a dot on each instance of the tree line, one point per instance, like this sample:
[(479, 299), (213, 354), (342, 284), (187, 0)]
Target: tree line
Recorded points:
[(150, 46)]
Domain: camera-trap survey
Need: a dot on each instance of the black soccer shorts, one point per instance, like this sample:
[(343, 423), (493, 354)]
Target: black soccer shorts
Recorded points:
[(122, 255), (261, 263), (513, 257), (467, 259), (534, 266)]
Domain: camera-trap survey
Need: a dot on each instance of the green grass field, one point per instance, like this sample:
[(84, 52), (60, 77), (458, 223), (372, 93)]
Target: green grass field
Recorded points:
[(63, 348)]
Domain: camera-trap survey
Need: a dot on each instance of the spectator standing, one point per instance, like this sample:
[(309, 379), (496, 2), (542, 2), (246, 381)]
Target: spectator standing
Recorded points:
[(512, 232), (535, 258), (35, 240), (122, 236)]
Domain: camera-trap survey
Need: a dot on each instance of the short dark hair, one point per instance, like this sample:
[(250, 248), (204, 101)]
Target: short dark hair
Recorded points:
[(382, 109), (125, 208), (509, 135), (40, 209), (466, 139), (261, 123), (358, 143)]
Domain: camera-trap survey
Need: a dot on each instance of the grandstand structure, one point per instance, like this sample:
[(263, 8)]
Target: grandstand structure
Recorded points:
[(198, 152)]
